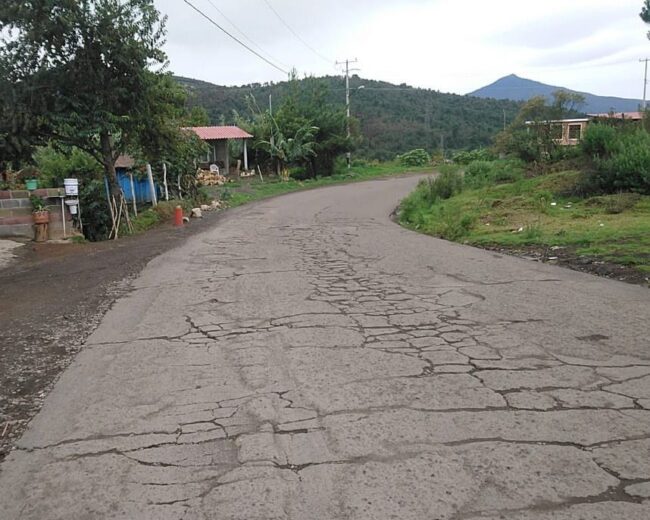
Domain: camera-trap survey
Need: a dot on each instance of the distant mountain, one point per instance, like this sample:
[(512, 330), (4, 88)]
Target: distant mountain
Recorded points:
[(520, 89), (393, 118)]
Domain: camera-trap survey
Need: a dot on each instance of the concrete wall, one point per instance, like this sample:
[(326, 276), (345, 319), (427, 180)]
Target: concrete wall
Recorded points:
[(16, 213)]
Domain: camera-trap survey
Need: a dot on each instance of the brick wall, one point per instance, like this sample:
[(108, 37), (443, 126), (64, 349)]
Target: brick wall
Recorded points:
[(16, 213)]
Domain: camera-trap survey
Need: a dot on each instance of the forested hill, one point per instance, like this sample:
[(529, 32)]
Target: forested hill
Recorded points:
[(393, 118)]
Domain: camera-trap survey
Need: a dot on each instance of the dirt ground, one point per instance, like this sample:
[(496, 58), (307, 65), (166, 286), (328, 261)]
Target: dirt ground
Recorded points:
[(567, 257), (52, 297)]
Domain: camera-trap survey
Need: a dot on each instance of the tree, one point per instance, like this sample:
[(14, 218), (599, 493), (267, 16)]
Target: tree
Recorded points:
[(532, 135), (306, 130), (87, 73), (291, 150), (645, 13)]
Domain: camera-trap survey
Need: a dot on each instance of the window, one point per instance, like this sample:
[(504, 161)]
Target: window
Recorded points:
[(575, 132)]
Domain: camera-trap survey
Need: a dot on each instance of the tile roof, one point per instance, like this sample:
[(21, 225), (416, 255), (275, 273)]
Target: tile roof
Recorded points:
[(212, 133), (620, 115)]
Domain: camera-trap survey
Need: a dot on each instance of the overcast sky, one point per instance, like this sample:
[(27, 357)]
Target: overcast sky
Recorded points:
[(447, 45)]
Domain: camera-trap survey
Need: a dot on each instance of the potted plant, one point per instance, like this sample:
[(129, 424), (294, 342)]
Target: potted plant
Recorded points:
[(40, 211)]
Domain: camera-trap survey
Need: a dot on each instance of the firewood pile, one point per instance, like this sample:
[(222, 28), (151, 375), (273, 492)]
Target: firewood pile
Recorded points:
[(208, 178)]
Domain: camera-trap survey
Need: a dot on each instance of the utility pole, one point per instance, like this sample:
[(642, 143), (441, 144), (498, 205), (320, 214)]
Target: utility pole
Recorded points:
[(272, 137), (645, 82), (347, 101)]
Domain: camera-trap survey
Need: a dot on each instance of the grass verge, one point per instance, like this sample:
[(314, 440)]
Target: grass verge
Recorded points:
[(248, 190), (539, 213)]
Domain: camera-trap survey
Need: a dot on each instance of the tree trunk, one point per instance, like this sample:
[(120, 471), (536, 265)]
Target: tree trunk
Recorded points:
[(116, 197), (109, 166)]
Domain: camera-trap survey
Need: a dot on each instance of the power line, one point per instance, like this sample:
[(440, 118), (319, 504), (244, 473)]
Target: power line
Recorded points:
[(245, 36), (296, 34), (235, 38)]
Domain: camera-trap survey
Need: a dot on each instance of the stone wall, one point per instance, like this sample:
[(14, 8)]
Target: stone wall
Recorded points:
[(16, 213)]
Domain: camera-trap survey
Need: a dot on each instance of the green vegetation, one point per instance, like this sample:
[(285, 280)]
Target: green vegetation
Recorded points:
[(82, 84), (163, 212), (587, 200), (417, 157), (391, 118), (620, 158), (539, 212)]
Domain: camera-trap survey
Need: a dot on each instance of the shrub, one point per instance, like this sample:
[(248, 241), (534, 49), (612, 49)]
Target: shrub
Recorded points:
[(599, 141), (454, 225), (626, 167), (467, 157), (418, 157), (442, 187), (478, 173), (483, 173)]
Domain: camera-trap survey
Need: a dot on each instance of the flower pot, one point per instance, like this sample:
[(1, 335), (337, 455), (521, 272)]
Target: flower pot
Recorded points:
[(41, 217), (31, 184)]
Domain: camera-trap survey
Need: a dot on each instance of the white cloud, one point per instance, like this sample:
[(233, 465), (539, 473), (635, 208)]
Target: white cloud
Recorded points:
[(451, 46)]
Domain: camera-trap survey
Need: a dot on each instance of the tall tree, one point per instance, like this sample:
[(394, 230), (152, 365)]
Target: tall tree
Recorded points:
[(87, 73), (645, 13)]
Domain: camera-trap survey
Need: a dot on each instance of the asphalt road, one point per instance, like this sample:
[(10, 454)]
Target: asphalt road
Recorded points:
[(307, 358)]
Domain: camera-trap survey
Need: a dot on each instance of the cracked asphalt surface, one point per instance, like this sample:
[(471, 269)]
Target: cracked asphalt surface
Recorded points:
[(309, 359)]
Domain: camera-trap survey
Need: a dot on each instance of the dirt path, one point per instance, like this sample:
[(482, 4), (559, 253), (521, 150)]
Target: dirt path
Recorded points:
[(51, 297)]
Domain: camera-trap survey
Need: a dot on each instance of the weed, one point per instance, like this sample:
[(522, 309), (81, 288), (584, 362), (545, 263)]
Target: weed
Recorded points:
[(533, 231)]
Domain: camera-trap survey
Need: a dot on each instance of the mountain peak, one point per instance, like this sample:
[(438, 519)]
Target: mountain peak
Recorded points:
[(516, 88)]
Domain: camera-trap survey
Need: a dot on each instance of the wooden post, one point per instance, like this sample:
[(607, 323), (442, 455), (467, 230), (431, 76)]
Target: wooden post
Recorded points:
[(135, 205), (245, 156), (63, 216), (165, 181), (227, 157), (152, 186), (40, 232)]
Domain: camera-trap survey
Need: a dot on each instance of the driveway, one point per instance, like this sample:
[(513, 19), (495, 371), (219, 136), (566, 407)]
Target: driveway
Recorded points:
[(307, 358)]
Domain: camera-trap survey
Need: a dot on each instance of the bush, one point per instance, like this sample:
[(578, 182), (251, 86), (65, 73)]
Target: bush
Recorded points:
[(418, 157), (96, 215), (442, 187), (478, 173), (453, 225), (599, 141), (480, 154), (623, 163), (483, 173), (300, 173)]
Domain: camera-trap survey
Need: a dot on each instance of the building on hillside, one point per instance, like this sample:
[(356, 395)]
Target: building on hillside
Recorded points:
[(569, 132), (217, 138)]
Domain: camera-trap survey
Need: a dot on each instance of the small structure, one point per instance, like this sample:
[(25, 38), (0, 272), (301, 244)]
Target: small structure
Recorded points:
[(217, 138), (569, 132), (133, 187)]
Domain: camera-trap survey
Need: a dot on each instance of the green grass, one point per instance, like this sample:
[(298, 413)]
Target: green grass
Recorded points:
[(540, 212), (163, 212), (252, 189)]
